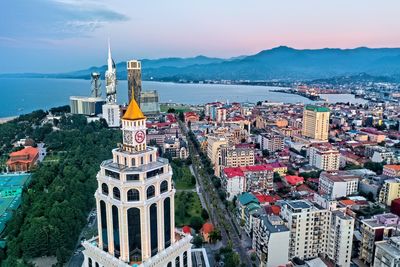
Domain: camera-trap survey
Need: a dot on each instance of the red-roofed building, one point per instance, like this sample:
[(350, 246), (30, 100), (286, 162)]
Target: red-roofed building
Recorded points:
[(294, 180), (391, 170), (23, 160), (191, 116), (266, 199), (206, 230), (170, 118), (278, 167), (273, 209), (257, 178)]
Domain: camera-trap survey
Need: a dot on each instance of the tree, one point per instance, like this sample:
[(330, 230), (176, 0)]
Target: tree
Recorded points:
[(204, 214), (265, 153), (277, 177), (215, 235), (171, 110), (197, 241), (196, 223)]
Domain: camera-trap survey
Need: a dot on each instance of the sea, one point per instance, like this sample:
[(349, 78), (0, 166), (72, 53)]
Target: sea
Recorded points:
[(23, 95)]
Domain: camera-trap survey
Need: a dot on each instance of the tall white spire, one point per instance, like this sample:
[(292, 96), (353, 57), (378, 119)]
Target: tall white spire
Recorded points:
[(109, 61)]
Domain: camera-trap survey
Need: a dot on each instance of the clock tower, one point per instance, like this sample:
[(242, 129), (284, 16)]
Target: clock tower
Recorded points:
[(134, 129)]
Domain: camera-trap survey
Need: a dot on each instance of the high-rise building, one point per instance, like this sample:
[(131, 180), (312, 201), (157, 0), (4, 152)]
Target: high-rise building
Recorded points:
[(316, 122), (135, 206), (149, 102), (134, 68), (111, 110), (318, 231)]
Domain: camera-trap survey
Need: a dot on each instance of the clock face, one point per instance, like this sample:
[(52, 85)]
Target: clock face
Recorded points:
[(139, 136), (128, 137)]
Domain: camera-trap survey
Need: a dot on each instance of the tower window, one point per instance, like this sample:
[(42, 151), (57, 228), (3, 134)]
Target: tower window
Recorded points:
[(133, 195), (132, 177), (151, 191), (133, 162), (104, 189), (116, 193), (163, 187)]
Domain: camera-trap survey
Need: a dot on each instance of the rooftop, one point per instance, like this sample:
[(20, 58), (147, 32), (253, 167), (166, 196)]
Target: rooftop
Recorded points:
[(133, 112), (317, 108)]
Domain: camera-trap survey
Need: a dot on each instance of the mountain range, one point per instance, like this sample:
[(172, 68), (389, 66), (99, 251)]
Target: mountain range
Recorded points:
[(280, 63)]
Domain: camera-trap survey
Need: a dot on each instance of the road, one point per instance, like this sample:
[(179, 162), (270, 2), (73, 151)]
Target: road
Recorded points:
[(219, 214)]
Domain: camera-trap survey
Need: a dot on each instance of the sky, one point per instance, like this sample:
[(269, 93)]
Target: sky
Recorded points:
[(65, 35)]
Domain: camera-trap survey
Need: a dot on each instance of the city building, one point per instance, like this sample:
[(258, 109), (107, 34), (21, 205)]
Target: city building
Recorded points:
[(316, 122), (134, 68), (379, 227), (88, 106), (149, 102), (271, 141), (271, 241), (391, 170), (324, 156), (229, 156), (338, 184), (135, 206), (175, 147), (255, 178), (111, 110), (389, 191), (309, 226), (318, 231), (213, 145), (23, 160), (387, 252), (340, 240), (191, 116)]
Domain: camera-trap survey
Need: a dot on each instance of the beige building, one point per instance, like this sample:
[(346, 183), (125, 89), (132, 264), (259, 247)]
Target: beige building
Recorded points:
[(389, 191), (324, 156), (213, 144), (135, 206), (316, 231), (233, 157), (316, 122)]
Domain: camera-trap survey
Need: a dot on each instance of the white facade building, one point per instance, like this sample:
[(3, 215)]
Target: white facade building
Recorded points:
[(338, 184), (324, 157), (387, 253), (316, 231), (112, 114), (135, 206)]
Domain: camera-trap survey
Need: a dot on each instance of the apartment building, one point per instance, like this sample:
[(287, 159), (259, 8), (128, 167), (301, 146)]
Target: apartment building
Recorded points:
[(389, 191), (379, 227), (387, 252), (315, 231), (271, 240), (316, 122), (309, 227), (340, 238), (255, 178), (338, 184), (231, 156), (213, 144), (324, 156), (271, 141), (391, 170)]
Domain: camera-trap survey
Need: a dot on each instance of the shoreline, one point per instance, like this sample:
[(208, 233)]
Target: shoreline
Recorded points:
[(7, 119)]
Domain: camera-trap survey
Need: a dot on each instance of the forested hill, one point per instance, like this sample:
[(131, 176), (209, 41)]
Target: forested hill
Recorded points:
[(280, 63), (55, 205)]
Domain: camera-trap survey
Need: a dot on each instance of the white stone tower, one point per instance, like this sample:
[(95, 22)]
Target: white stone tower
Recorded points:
[(135, 206), (111, 110)]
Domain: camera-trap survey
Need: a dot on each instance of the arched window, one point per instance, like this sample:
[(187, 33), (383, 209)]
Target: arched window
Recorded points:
[(185, 259), (90, 262), (163, 187), (151, 191), (169, 264), (116, 193), (133, 162), (134, 234), (153, 229), (133, 195), (103, 221), (97, 264), (177, 262), (167, 222), (104, 189), (115, 222)]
